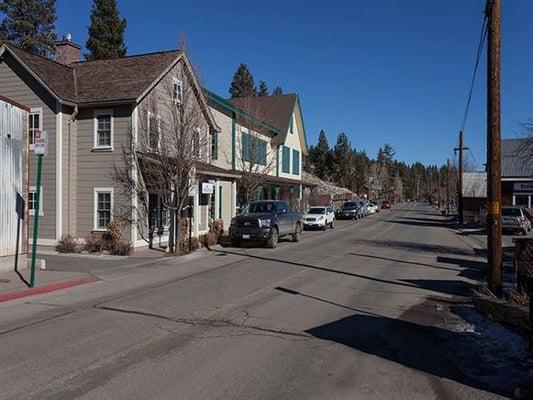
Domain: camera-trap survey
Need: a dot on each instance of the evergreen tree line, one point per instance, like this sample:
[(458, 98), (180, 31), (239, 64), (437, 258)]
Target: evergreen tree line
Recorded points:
[(383, 177), (30, 25), (243, 85)]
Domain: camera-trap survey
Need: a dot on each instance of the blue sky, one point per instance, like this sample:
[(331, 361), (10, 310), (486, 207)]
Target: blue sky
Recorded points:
[(381, 71)]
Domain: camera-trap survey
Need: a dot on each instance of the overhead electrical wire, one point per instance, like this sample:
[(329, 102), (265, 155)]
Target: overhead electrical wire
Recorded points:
[(479, 52)]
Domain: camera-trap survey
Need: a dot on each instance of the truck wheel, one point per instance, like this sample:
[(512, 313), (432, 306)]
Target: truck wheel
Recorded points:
[(272, 241), (235, 242), (297, 235)]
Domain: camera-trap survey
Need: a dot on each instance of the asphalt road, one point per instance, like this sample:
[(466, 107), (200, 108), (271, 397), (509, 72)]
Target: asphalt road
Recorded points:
[(344, 314)]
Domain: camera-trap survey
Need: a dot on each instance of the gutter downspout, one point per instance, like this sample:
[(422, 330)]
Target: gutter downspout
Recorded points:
[(69, 165)]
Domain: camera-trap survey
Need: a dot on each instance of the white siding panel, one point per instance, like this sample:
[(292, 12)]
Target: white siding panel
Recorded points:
[(12, 127)]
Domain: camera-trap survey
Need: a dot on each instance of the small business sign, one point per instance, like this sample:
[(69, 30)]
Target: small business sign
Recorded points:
[(40, 143), (523, 187), (208, 188)]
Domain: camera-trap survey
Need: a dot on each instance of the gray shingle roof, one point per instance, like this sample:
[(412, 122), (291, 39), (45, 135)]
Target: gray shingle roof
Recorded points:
[(276, 110), (517, 158), (99, 81)]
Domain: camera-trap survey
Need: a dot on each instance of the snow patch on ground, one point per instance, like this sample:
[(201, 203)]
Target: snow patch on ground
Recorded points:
[(485, 350)]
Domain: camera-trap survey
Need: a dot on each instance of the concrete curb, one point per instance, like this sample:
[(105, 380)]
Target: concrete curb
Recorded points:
[(52, 287)]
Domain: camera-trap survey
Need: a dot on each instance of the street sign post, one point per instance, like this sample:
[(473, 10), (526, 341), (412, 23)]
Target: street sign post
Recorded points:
[(41, 150)]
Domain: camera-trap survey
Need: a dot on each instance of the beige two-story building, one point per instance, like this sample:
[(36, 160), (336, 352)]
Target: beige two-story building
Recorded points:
[(93, 112)]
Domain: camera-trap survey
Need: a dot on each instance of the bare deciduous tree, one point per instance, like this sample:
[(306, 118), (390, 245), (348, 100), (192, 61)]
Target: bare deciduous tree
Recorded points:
[(164, 149)]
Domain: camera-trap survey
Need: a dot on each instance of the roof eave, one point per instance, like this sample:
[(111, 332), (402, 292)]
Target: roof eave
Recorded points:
[(231, 107), (5, 47)]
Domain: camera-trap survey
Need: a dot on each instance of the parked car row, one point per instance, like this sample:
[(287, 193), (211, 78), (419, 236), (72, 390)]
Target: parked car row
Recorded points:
[(267, 221), (356, 209)]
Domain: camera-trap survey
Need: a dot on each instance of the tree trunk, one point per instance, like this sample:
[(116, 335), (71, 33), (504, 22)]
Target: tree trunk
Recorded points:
[(171, 237), (178, 223)]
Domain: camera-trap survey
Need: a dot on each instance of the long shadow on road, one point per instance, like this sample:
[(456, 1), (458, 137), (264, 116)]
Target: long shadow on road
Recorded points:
[(413, 345), (451, 287)]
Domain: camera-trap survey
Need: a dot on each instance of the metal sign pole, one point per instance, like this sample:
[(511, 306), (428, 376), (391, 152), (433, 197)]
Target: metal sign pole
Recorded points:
[(36, 219)]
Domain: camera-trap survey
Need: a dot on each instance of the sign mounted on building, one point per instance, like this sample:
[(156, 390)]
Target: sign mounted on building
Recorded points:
[(208, 188), (40, 141), (523, 187)]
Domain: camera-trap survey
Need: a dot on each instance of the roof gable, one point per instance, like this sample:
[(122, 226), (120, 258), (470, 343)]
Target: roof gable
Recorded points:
[(86, 82), (57, 78), (276, 110), (121, 79)]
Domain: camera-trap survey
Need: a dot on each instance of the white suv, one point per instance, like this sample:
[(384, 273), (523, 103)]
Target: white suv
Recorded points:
[(319, 217)]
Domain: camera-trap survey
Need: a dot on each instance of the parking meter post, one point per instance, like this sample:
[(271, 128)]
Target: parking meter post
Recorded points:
[(36, 220)]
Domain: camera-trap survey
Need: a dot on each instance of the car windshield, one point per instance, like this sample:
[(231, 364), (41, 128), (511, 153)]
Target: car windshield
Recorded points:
[(260, 207), (316, 210), (511, 212), (349, 204)]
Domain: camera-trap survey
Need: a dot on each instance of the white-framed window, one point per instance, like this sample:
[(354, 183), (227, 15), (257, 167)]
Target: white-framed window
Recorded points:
[(154, 131), (103, 129), (103, 208), (35, 124), (32, 201), (177, 90)]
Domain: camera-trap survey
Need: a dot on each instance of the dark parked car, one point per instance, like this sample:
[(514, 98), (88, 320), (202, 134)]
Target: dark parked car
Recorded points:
[(385, 204), (266, 221), (349, 210), (515, 219)]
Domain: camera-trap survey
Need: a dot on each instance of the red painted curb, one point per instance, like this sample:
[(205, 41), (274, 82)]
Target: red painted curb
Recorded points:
[(47, 288)]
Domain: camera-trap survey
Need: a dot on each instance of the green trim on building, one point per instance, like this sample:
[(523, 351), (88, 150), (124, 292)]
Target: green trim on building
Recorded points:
[(295, 162), (237, 111), (286, 160)]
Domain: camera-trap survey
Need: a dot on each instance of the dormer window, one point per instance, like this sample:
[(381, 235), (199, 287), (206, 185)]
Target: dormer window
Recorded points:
[(177, 91)]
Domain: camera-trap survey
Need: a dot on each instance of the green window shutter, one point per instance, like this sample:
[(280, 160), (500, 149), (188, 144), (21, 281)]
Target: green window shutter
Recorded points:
[(245, 147), (295, 162), (286, 161), (262, 152)]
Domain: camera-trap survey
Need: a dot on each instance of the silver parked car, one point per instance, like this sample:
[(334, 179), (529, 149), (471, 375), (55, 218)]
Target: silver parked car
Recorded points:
[(515, 219)]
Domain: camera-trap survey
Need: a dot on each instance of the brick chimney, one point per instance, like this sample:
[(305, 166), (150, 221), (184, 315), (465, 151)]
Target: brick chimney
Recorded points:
[(67, 52)]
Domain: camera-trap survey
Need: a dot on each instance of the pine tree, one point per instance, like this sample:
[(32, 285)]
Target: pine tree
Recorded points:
[(242, 84), (263, 89), (277, 91), (106, 32), (29, 24), (320, 157), (343, 162)]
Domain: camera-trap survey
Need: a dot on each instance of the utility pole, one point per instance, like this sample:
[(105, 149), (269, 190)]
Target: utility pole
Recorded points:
[(460, 149), (494, 189)]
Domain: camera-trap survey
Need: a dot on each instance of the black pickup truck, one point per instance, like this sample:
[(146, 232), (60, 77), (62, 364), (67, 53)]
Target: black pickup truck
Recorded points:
[(266, 221)]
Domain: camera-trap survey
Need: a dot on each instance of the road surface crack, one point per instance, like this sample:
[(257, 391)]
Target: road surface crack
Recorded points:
[(209, 322)]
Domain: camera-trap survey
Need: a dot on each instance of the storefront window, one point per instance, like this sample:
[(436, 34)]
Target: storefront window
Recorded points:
[(522, 200)]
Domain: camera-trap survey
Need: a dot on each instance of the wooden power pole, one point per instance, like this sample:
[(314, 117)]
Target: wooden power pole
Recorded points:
[(460, 205), (494, 189)]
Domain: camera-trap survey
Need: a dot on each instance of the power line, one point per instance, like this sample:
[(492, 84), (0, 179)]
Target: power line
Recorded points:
[(479, 52)]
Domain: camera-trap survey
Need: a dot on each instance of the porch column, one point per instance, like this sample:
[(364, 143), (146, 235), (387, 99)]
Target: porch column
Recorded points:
[(217, 201), (196, 213), (233, 198)]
